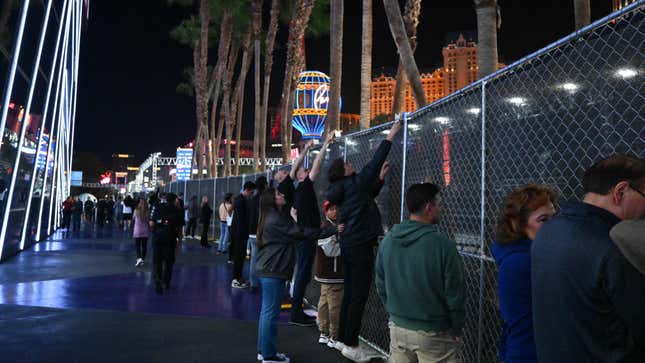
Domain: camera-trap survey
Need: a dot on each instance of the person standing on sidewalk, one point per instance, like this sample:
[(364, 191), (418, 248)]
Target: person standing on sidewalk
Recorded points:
[(329, 273), (354, 195), (254, 215), (205, 219), (307, 214), (420, 279), (193, 211), (240, 234), (165, 222), (225, 214), (141, 231)]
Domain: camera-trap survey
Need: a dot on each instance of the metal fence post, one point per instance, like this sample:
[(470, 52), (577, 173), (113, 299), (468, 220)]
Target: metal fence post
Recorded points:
[(482, 221), (403, 165), (345, 149)]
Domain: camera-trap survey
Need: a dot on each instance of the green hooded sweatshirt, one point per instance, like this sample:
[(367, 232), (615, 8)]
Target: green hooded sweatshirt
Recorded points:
[(420, 278)]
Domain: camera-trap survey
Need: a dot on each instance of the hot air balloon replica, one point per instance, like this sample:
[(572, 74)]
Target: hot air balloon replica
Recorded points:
[(312, 101)]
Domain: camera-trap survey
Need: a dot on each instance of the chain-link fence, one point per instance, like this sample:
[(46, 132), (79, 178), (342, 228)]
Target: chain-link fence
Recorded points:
[(544, 119)]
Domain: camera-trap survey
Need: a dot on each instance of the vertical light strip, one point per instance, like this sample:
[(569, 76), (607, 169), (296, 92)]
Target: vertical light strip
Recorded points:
[(23, 129), (12, 73), (79, 20), (34, 172)]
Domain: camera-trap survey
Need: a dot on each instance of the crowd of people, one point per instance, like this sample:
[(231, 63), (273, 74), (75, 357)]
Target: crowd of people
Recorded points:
[(571, 282)]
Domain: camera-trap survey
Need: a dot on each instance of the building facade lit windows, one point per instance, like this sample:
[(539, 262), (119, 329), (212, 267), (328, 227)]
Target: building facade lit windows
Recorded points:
[(619, 4)]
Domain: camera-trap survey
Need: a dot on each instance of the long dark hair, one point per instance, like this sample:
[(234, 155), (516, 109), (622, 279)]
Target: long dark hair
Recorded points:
[(267, 203), (336, 170)]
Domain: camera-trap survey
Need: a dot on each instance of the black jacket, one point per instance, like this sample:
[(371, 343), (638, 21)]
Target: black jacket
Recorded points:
[(354, 195), (588, 300), (277, 255), (239, 229), (253, 207), (205, 214)]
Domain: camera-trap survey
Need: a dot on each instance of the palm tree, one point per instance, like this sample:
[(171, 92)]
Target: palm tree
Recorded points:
[(268, 64), (487, 24), (237, 102), (335, 63), (366, 64), (226, 106), (226, 30), (397, 29), (582, 12), (411, 21), (256, 25), (294, 63)]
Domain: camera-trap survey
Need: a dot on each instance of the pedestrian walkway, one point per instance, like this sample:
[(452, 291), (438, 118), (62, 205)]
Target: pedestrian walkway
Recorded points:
[(77, 297)]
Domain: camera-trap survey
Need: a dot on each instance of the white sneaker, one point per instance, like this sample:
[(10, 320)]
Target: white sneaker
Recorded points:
[(139, 262), (339, 346), (358, 354), (332, 343), (279, 355), (239, 285), (323, 339)]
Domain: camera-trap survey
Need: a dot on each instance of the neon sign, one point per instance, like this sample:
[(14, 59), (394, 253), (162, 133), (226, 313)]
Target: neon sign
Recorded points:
[(312, 101)]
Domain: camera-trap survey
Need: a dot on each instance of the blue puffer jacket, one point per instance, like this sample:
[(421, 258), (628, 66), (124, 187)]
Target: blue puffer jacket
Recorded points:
[(514, 287)]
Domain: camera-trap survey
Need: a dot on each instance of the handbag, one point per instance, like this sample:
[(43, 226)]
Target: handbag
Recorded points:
[(330, 246)]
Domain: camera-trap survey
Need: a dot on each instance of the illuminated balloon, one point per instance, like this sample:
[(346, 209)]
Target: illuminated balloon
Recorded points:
[(312, 101)]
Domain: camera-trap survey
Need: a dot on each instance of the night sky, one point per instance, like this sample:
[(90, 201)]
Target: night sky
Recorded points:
[(130, 66)]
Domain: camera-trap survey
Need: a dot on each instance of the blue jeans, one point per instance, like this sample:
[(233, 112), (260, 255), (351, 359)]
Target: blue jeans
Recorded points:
[(252, 242), (272, 294), (305, 252), (222, 245)]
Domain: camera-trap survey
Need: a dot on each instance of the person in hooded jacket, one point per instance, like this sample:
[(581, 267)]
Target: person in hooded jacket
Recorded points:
[(420, 279), (277, 234), (354, 195), (524, 211)]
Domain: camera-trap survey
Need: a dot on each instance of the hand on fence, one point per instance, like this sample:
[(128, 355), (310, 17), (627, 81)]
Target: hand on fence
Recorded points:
[(393, 130), (384, 170)]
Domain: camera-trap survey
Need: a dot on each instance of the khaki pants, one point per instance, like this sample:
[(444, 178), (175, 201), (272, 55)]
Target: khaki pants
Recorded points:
[(410, 346), (331, 297)]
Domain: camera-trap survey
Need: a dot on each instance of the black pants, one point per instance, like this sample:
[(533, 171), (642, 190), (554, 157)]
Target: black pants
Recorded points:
[(191, 227), (305, 252), (163, 259), (358, 265), (204, 240), (142, 247), (67, 216), (238, 247)]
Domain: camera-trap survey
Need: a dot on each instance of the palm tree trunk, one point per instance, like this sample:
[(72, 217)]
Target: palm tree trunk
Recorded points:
[(411, 21), (257, 27), (366, 65), (335, 63), (226, 31), (487, 34), (299, 21), (406, 56), (237, 102), (200, 59), (582, 12), (268, 65), (226, 110)]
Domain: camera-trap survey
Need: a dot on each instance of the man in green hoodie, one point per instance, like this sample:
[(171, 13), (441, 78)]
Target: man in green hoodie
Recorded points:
[(419, 277)]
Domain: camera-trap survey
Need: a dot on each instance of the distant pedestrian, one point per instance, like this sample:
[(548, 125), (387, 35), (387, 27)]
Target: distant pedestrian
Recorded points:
[(127, 209), (101, 209), (68, 204), (77, 213), (420, 279), (587, 297), (524, 211), (205, 220), (193, 215), (118, 211), (88, 210), (165, 222), (141, 231), (225, 218)]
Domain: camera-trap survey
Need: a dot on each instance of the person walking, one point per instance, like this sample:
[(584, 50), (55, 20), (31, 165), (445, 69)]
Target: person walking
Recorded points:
[(205, 220), (354, 195), (307, 214), (88, 210), (240, 234), (254, 215), (128, 205), (225, 218), (101, 209), (525, 210), (277, 235), (68, 204), (329, 273), (141, 231), (118, 212), (420, 279), (587, 298), (193, 211), (165, 223), (77, 213)]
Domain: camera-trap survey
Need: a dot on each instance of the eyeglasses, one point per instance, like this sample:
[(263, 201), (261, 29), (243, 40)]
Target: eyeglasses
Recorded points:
[(636, 190)]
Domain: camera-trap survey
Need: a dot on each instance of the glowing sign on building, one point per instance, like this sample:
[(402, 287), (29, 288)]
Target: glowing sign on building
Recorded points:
[(184, 164), (312, 101)]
